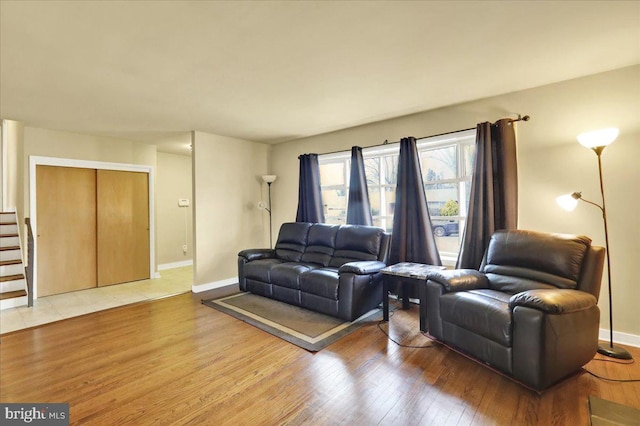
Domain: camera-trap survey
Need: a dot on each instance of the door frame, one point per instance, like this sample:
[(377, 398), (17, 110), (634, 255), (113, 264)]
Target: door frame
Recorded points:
[(35, 160)]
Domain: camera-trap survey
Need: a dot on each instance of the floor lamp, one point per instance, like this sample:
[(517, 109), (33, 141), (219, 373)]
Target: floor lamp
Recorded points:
[(597, 141), (269, 179)]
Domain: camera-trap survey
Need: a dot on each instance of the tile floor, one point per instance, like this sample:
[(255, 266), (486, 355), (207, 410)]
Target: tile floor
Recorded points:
[(61, 306)]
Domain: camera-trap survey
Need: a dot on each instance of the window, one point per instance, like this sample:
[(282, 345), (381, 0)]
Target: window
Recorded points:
[(334, 179), (447, 166)]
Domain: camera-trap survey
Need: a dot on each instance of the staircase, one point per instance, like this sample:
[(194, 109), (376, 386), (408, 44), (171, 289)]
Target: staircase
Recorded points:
[(13, 284)]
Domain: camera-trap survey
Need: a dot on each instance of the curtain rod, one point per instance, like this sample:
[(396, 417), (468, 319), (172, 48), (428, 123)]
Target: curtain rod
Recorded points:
[(386, 142)]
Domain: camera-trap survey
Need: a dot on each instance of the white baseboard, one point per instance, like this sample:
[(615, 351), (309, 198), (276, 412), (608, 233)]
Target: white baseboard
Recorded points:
[(175, 265), (622, 338), (216, 284)]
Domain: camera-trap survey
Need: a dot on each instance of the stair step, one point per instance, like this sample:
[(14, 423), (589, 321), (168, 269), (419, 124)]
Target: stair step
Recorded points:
[(12, 278), (15, 285), (9, 248), (12, 294), (10, 262), (9, 242), (8, 235), (11, 269), (8, 223), (9, 255)]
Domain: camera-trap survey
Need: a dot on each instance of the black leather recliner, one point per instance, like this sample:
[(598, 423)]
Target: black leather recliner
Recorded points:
[(530, 311)]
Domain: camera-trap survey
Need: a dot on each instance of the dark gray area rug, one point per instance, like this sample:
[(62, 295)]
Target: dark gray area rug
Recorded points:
[(309, 330), (608, 413)]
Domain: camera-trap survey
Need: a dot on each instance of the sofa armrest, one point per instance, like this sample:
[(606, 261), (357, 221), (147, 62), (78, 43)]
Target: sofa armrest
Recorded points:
[(459, 279), (257, 254), (552, 301), (363, 267)]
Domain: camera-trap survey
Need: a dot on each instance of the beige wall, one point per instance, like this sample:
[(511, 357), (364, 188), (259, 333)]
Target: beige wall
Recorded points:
[(52, 143), (227, 186), (13, 199), (174, 223), (13, 134), (551, 162)]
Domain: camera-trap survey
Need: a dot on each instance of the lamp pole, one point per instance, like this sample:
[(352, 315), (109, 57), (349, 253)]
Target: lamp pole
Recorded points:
[(611, 351), (269, 179), (270, 220)]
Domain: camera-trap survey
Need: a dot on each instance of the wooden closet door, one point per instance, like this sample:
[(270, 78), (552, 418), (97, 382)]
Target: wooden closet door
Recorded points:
[(66, 229), (123, 226)]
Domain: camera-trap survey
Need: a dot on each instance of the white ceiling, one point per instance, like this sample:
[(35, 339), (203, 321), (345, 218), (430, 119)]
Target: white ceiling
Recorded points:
[(276, 71)]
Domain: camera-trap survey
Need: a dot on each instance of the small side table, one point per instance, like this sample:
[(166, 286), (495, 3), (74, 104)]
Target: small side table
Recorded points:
[(413, 274)]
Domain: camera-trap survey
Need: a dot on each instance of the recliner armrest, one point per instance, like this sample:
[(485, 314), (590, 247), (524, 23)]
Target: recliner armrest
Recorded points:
[(552, 301), (363, 267), (459, 279), (257, 254)]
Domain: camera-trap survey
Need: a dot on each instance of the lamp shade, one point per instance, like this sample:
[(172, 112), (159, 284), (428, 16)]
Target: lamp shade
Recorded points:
[(269, 178), (568, 202), (596, 138)]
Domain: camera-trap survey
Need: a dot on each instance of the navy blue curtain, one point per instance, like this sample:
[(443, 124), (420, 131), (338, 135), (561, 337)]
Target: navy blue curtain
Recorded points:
[(358, 207), (493, 203), (310, 207), (412, 239)]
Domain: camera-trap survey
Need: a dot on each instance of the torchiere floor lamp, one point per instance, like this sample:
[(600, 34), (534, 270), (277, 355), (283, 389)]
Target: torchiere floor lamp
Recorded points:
[(598, 140)]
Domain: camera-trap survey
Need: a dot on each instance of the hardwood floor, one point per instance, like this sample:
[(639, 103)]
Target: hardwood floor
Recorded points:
[(175, 361)]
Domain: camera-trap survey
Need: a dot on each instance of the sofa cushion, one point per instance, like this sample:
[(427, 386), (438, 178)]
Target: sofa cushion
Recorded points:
[(539, 259), (260, 270), (321, 243), (292, 240), (321, 282), (288, 274), (483, 312), (355, 243)]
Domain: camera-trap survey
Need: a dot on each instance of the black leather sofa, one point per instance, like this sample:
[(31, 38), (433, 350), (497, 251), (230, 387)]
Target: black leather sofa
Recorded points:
[(333, 269), (530, 311)]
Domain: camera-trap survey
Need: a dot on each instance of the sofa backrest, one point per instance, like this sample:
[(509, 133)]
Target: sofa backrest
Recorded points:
[(331, 245), (519, 260), (321, 243), (292, 240), (356, 242)]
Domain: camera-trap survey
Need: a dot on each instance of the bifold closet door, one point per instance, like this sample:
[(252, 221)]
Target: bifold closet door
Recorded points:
[(66, 229), (123, 226)]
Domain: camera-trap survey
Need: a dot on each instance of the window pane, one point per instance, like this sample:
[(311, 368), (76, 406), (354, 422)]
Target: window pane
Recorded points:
[(372, 171), (332, 173), (335, 205), (447, 233), (439, 164), (442, 199), (468, 158), (374, 200), (389, 200), (390, 170)]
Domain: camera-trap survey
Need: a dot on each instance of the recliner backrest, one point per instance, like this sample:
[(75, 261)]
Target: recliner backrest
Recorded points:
[(519, 260)]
